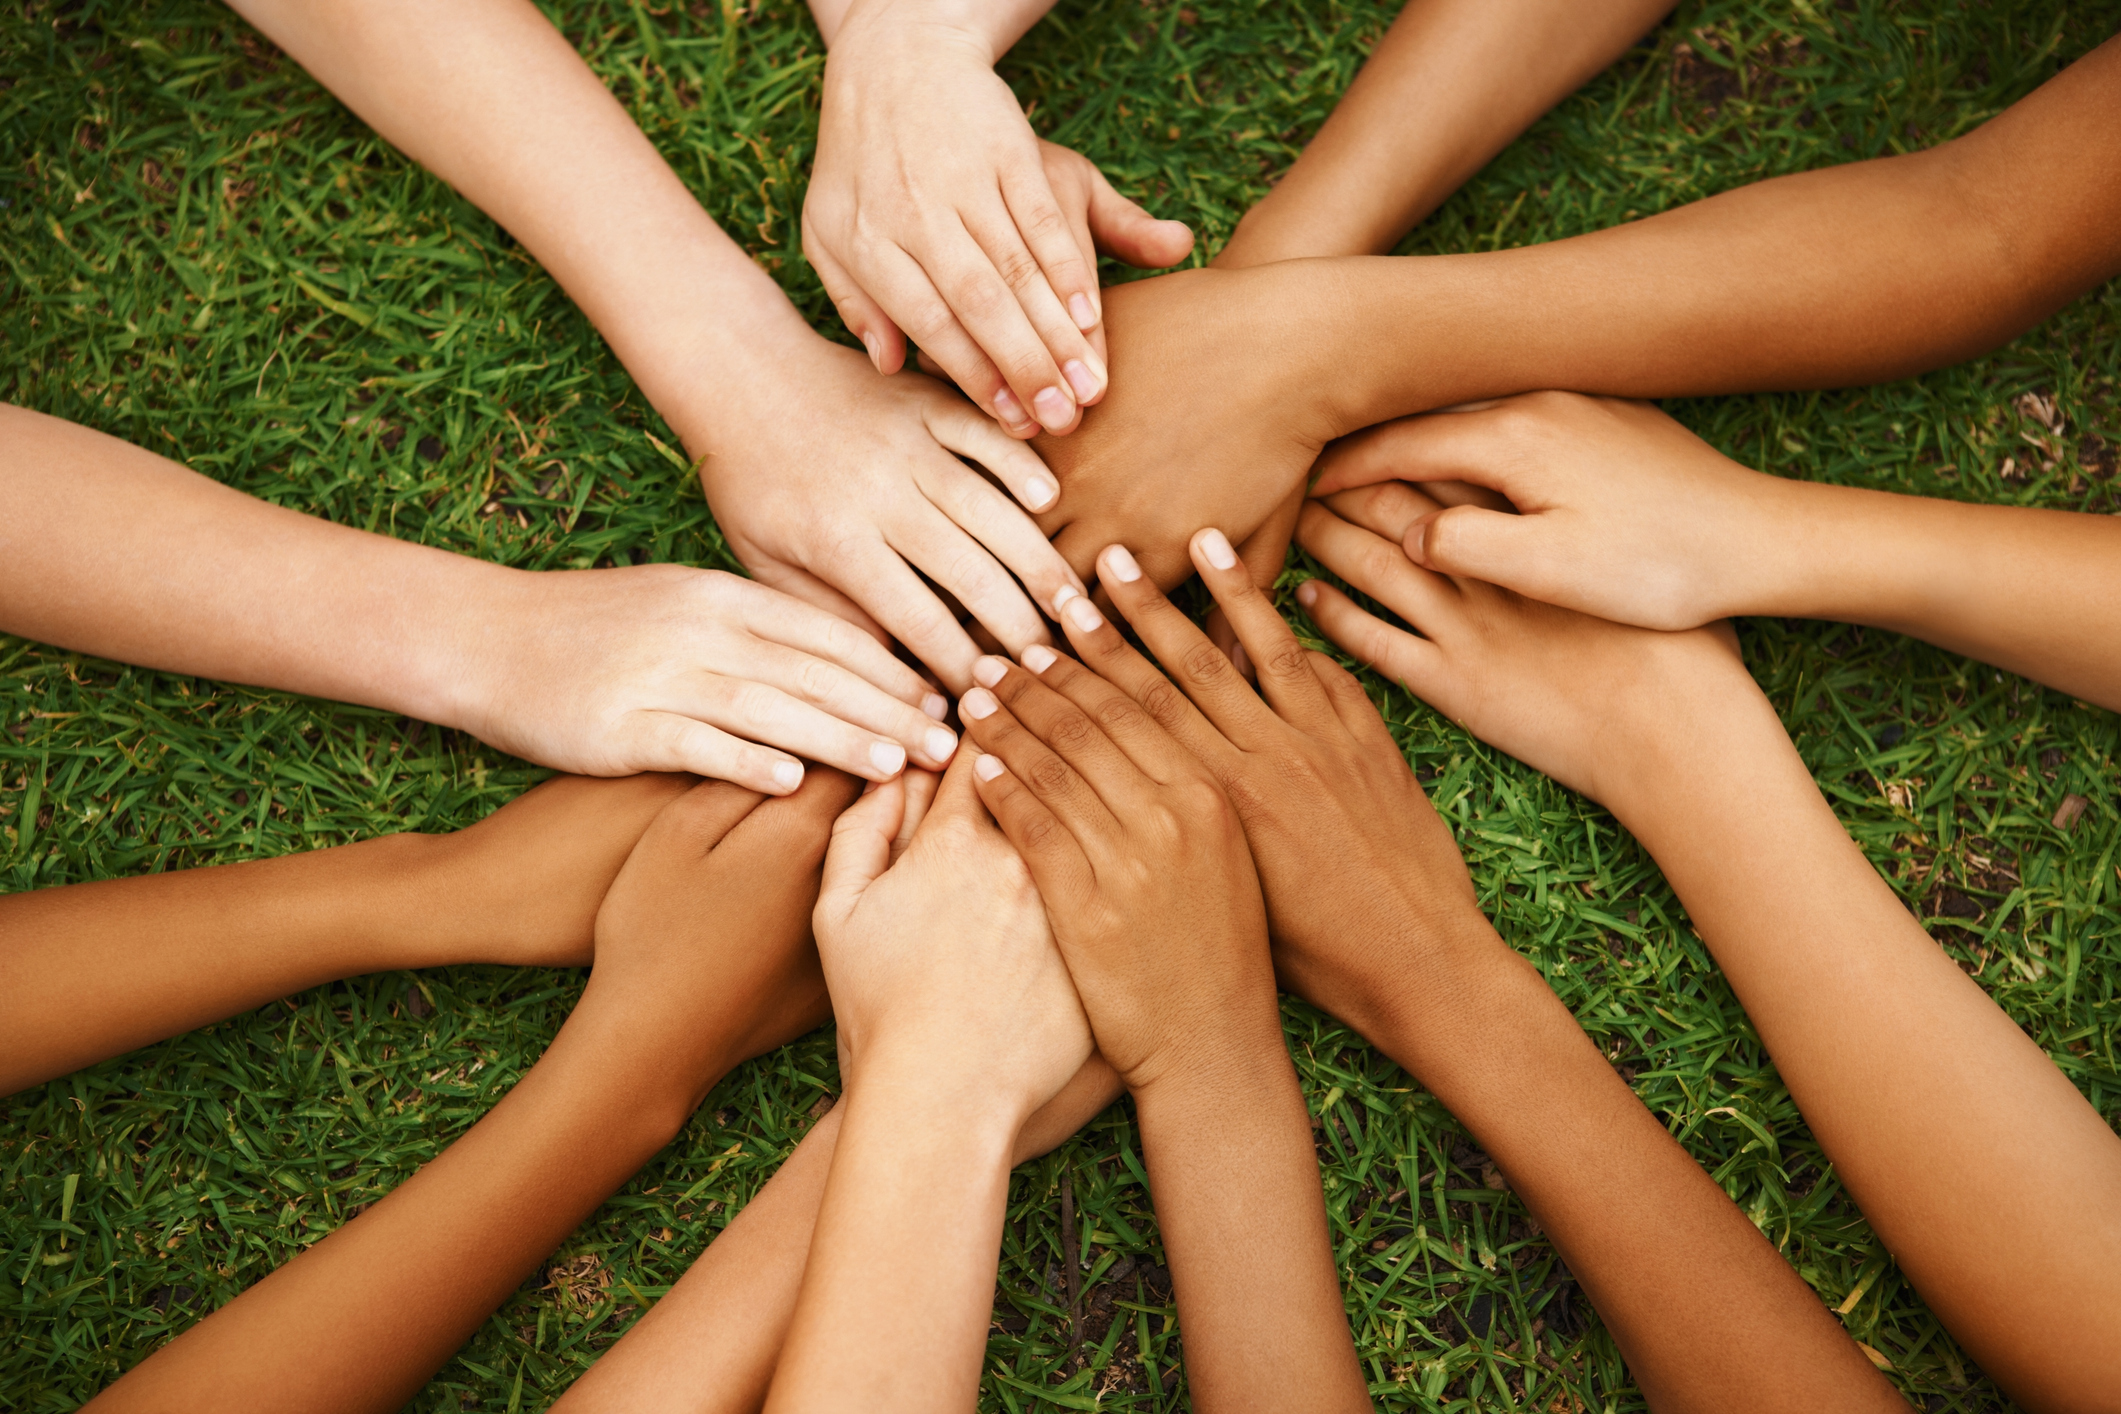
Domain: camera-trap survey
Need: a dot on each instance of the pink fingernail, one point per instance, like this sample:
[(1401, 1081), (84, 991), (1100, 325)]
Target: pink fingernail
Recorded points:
[(1307, 593), (940, 744), (988, 767), (1008, 409), (936, 705), (1038, 657), (1039, 493), (788, 774), (1060, 600), (1215, 547), (888, 757), (989, 670), (876, 351), (1079, 308), (1086, 384), (1118, 564), (1084, 615), (1054, 408), (978, 704)]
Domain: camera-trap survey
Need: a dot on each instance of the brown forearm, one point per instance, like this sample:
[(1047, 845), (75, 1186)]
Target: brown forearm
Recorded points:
[(1235, 1183), (1672, 1266)]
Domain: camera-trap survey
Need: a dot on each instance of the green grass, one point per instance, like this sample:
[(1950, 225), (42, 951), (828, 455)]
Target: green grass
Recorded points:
[(203, 253)]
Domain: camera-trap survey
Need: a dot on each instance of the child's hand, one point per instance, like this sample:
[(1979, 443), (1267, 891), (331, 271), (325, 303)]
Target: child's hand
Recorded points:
[(1362, 879), (934, 210), (844, 489), (1142, 864), (667, 668), (940, 960), (1623, 513), (1582, 699)]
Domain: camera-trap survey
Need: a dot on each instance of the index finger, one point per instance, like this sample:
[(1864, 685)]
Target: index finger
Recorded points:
[(1432, 446)]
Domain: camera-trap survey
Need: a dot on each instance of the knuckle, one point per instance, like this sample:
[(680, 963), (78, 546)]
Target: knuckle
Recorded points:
[(978, 299), (1050, 774), (1204, 663), (1040, 833), (1043, 222), (928, 321), (1071, 731), (1119, 714), (1165, 704), (1288, 660), (1017, 269)]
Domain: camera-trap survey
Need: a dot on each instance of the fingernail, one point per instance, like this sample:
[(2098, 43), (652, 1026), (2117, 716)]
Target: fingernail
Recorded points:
[(876, 351), (1054, 408), (1084, 615), (1119, 565), (1417, 543), (1060, 600), (1238, 658), (988, 767), (1215, 546), (1039, 493), (788, 774), (1008, 409), (989, 670), (1080, 310), (940, 744), (936, 705), (888, 757), (1038, 657), (1086, 384), (1307, 593), (978, 704)]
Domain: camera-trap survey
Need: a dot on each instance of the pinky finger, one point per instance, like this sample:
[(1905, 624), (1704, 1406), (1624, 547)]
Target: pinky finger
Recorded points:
[(863, 316), (1048, 849), (668, 742), (1405, 658)]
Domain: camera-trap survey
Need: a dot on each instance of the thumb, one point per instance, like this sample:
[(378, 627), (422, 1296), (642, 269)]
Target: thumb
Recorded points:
[(860, 850), (1475, 543), (1126, 232)]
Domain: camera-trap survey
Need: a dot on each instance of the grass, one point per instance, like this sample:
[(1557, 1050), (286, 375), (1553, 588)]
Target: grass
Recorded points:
[(203, 253)]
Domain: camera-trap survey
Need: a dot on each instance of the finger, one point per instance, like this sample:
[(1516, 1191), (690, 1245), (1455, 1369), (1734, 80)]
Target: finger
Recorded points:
[(1080, 544), (1265, 554), (1078, 737), (911, 612), (1510, 550), (974, 505), (1058, 297), (970, 433), (1081, 1100), (920, 796), (1147, 746), (861, 849), (969, 573), (1386, 509), (1105, 652), (1041, 769), (788, 837), (1285, 676), (813, 591), (667, 741), (1380, 569), (1196, 665), (863, 316), (695, 822), (891, 727), (1357, 712), (1438, 446), (1126, 232), (1413, 662), (821, 634), (910, 295), (987, 276)]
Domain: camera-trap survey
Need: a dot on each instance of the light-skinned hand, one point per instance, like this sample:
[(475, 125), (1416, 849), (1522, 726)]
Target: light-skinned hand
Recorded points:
[(934, 211), (846, 489)]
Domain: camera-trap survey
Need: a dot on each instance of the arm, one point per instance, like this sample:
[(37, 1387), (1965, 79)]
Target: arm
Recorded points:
[(825, 478), (1628, 516), (91, 970), (112, 550), (1374, 919), (1912, 1079), (1149, 882), (1227, 384), (361, 1320)]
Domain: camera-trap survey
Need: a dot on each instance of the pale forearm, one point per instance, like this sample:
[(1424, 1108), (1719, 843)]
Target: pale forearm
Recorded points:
[(999, 25), (1451, 84), (1235, 1182)]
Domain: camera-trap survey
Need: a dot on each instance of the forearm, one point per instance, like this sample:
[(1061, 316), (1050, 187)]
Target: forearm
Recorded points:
[(1671, 1264), (900, 1283), (1450, 85), (998, 25), (1912, 1079), (111, 550), (2037, 592), (488, 96), (1235, 1182), (360, 1321)]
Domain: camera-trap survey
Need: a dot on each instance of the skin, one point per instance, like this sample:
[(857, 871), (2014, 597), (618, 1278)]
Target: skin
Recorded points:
[(703, 958), (1628, 516), (89, 971), (1226, 384), (830, 482), (111, 550), (1144, 868), (1910, 1077), (957, 1021), (1374, 919), (933, 209)]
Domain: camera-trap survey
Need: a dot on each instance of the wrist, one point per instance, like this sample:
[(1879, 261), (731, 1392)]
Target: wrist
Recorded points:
[(984, 29), (946, 1076)]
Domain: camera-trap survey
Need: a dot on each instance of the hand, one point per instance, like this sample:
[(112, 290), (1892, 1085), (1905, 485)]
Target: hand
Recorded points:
[(944, 953), (703, 950), (1362, 879), (842, 488), (1622, 512), (1141, 861), (1218, 408), (1577, 697), (934, 209)]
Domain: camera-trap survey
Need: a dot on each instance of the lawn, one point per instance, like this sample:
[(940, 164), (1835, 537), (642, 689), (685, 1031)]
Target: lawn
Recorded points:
[(203, 252)]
